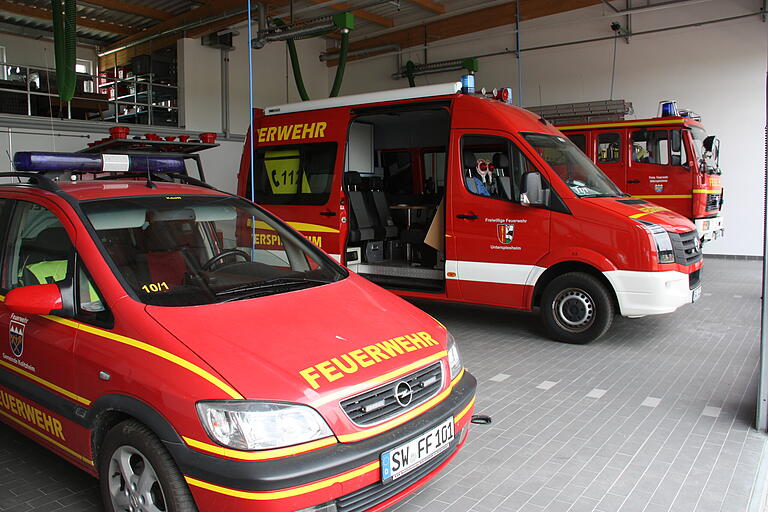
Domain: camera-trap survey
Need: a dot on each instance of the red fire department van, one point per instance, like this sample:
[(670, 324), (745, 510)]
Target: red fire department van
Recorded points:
[(436, 194), (157, 341), (668, 160)]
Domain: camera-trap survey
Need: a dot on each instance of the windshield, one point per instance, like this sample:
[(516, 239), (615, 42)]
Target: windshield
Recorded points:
[(699, 135), (193, 250), (573, 166)]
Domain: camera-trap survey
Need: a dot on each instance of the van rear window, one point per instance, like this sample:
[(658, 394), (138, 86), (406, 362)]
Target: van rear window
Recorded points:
[(294, 174)]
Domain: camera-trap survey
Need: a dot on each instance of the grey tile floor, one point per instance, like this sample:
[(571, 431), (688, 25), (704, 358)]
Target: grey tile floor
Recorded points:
[(656, 416)]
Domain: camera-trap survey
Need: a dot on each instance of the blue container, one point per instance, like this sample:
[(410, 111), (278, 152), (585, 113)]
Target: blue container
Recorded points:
[(468, 84)]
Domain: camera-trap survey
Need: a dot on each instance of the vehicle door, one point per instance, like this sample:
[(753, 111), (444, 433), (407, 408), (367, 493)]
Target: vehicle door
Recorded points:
[(610, 155), (494, 241), (655, 171), (297, 162), (39, 351)]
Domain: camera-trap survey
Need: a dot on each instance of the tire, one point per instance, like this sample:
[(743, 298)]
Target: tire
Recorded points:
[(153, 483), (576, 308)]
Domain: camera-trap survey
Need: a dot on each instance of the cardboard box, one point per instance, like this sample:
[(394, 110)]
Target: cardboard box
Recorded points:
[(436, 234)]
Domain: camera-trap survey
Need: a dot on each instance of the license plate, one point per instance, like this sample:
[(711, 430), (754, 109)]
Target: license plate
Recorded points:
[(696, 294), (408, 456)]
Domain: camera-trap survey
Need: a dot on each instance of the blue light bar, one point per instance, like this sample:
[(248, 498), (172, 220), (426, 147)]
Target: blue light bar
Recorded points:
[(84, 162)]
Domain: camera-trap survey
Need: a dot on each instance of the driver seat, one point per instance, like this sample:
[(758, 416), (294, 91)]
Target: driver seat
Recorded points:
[(165, 262)]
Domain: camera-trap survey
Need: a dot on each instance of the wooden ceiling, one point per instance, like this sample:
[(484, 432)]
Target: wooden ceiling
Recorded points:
[(113, 24)]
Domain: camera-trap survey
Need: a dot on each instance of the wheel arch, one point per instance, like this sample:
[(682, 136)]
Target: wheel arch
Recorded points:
[(565, 267), (110, 410)]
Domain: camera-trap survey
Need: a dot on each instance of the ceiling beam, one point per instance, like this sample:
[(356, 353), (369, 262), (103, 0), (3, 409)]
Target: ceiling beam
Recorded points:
[(430, 5), (45, 14), (467, 23), (140, 10), (361, 13)]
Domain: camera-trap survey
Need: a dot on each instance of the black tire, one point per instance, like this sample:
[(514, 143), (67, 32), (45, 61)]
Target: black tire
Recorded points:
[(576, 308), (131, 448)]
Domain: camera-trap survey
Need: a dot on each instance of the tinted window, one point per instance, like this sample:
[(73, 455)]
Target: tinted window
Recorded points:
[(580, 140), (295, 174)]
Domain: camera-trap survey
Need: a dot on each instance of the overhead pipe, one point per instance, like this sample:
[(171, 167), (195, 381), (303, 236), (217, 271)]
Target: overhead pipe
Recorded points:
[(655, 7), (325, 57)]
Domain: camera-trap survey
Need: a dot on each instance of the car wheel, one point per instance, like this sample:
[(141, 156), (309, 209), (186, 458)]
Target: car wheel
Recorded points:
[(576, 308), (137, 474)]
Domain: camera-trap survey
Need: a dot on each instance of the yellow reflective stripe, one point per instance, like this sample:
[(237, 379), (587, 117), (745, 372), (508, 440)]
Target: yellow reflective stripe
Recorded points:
[(46, 383), (152, 350), (620, 124), (377, 380), (47, 438), (298, 226), (465, 410), (263, 454), (302, 226), (705, 191), (638, 215), (287, 493), (660, 196), (357, 436)]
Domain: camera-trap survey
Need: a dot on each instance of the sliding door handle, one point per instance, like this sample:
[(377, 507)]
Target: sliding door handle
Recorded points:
[(465, 216)]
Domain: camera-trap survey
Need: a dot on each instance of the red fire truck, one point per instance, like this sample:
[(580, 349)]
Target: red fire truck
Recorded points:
[(436, 194), (668, 160)]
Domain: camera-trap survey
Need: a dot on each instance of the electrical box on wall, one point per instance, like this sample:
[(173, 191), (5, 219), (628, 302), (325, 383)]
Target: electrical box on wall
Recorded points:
[(221, 40)]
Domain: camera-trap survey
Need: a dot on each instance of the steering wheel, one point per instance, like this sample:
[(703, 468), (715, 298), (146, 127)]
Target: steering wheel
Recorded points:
[(208, 265)]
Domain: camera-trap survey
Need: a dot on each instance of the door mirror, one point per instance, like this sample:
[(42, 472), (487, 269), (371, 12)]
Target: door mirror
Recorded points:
[(675, 141), (36, 299), (712, 153), (533, 192)]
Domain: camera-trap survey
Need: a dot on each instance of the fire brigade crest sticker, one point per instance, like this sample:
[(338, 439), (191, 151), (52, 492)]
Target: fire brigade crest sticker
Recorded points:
[(505, 233), (16, 337), (658, 188)]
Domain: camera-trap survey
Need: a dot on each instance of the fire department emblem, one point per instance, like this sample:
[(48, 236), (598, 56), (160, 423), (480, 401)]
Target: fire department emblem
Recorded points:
[(16, 337), (658, 188), (505, 233)]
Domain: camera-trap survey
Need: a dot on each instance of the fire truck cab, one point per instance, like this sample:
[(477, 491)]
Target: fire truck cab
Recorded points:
[(435, 194), (668, 160)]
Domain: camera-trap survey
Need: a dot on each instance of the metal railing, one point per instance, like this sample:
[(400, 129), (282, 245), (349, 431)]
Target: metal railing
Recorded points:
[(32, 91)]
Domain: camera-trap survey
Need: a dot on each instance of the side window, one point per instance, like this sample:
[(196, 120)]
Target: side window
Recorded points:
[(493, 167), (91, 307), (650, 146), (580, 140), (38, 250), (608, 148)]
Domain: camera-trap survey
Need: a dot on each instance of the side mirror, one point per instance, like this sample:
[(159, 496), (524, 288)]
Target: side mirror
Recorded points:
[(709, 143), (533, 192), (676, 141), (712, 153), (36, 299)]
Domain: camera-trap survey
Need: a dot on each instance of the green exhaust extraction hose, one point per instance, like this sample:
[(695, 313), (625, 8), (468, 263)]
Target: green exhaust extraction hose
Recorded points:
[(295, 64), (65, 46)]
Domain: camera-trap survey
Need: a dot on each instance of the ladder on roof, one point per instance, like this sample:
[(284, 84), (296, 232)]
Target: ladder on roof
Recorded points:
[(585, 112)]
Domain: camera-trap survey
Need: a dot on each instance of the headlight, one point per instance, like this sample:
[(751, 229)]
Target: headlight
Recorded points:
[(250, 425), (660, 236), (454, 360)]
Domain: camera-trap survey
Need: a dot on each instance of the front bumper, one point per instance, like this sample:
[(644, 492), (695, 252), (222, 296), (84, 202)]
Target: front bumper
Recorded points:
[(710, 229), (650, 293), (347, 472)]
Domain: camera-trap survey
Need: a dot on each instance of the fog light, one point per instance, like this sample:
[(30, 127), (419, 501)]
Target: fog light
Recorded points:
[(325, 507)]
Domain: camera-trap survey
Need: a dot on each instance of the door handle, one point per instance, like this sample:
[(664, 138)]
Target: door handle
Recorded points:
[(328, 214), (633, 181), (465, 216)]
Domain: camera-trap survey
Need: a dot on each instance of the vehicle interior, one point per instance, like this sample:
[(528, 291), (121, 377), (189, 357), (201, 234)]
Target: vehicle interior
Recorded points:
[(395, 181)]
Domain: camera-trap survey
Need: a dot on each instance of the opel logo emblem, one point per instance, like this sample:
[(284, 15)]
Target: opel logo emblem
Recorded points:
[(696, 244), (403, 394)]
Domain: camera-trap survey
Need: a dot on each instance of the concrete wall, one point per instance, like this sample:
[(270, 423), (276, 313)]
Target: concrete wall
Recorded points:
[(717, 70), (37, 52)]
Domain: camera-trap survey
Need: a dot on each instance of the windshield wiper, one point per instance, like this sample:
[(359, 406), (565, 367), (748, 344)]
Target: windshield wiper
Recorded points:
[(268, 286), (602, 195)]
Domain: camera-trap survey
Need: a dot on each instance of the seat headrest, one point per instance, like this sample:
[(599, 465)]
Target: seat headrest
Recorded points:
[(500, 160), (53, 240), (469, 159), (377, 182), (353, 178)]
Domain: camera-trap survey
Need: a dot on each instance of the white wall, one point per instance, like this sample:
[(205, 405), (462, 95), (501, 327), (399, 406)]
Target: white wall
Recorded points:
[(37, 52), (199, 72), (273, 82), (717, 70)]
